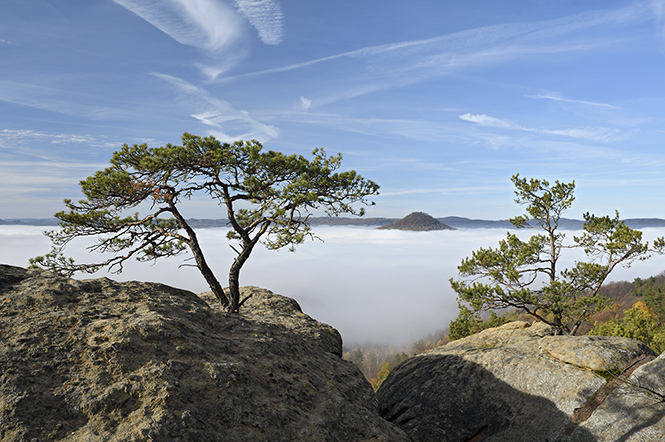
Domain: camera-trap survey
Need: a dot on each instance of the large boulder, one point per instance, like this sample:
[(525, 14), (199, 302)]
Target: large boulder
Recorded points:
[(99, 360), (634, 411), (517, 382)]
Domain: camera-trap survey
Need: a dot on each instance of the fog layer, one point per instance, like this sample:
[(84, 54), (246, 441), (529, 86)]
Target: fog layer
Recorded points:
[(374, 286)]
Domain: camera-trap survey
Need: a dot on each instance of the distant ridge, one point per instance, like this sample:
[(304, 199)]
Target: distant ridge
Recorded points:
[(417, 221), (455, 222), (564, 224), (29, 222)]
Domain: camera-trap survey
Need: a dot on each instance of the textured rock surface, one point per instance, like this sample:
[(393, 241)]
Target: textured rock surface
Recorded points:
[(632, 412), (500, 385), (99, 360), (599, 353)]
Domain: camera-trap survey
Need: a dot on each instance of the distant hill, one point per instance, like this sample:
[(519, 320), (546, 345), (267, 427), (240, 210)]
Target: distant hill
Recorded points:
[(417, 221)]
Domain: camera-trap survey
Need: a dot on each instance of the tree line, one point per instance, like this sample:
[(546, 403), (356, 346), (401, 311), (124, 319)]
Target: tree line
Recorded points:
[(376, 361)]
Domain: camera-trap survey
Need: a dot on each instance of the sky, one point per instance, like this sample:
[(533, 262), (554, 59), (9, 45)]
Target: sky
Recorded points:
[(439, 102)]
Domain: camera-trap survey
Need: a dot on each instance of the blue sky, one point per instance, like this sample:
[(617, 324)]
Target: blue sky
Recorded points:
[(439, 102)]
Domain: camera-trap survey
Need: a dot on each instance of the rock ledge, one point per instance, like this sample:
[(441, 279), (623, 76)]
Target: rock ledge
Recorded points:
[(99, 360), (521, 383)]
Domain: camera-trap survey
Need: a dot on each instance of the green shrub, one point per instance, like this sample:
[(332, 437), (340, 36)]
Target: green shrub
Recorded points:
[(640, 323)]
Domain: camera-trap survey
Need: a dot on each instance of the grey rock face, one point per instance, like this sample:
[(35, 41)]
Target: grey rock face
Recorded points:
[(512, 383), (599, 353), (99, 360), (635, 411)]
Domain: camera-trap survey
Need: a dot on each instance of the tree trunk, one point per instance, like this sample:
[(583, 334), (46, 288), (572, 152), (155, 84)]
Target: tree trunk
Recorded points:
[(573, 331), (207, 273), (201, 263), (558, 323), (234, 275)]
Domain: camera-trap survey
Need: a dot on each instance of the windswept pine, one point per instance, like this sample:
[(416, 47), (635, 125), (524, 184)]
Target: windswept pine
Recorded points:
[(267, 197), (527, 275)]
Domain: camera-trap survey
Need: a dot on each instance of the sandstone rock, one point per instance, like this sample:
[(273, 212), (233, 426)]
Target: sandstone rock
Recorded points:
[(508, 334), (269, 308), (499, 385), (599, 353), (99, 360), (633, 412)]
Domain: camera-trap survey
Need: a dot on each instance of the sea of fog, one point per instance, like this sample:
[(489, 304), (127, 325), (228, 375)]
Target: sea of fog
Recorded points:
[(374, 286)]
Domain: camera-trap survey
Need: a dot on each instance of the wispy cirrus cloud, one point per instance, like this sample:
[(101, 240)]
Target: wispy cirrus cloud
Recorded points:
[(226, 63), (412, 61), (414, 129), (56, 100), (266, 17), (305, 103), (402, 63), (205, 24), (56, 137), (440, 191), (48, 150), (220, 114), (587, 133), (10, 138), (212, 25), (658, 7), (486, 120), (40, 167), (570, 100)]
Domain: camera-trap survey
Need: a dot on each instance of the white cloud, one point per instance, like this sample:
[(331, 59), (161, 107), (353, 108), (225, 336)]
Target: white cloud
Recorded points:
[(399, 64), (57, 100), (587, 133), (266, 17), (486, 120), (306, 103), (569, 100), (218, 113), (284, 68), (39, 169), (25, 181), (205, 24), (658, 7), (228, 62), (440, 191), (35, 187), (10, 137), (67, 166)]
